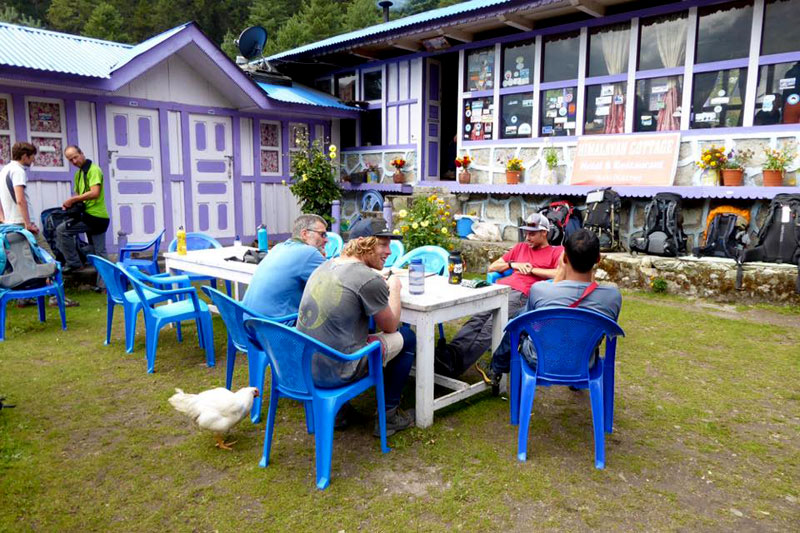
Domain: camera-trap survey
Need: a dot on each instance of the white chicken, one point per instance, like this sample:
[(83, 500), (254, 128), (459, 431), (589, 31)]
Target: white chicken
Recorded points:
[(216, 410)]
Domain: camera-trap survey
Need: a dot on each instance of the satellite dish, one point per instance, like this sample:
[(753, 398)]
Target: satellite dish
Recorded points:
[(251, 41)]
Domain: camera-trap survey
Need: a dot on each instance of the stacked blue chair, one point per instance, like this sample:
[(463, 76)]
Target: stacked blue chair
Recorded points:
[(290, 353), (116, 281), (190, 307), (398, 249), (565, 340), (199, 241), (435, 260), (334, 245), (233, 313), (147, 265), (372, 201), (55, 288)]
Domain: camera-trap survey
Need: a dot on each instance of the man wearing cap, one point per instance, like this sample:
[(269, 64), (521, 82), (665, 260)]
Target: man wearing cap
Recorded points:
[(339, 298), (532, 261), (281, 276)]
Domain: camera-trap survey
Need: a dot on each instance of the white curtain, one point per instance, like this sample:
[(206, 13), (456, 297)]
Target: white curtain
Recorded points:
[(615, 45), (671, 41)]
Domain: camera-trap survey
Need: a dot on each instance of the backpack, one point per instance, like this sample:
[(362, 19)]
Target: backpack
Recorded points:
[(602, 217), (563, 222), (726, 233), (663, 227), (22, 264), (779, 237), (51, 218)]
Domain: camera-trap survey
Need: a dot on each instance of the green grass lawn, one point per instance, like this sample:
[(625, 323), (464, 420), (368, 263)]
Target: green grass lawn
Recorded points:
[(707, 436)]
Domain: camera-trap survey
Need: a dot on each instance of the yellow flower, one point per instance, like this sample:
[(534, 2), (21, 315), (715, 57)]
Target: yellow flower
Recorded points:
[(283, 182), (305, 175), (444, 230), (713, 163), (447, 214), (424, 223), (332, 148), (396, 232), (405, 229), (403, 213), (439, 201), (707, 157), (415, 225), (432, 197), (305, 178)]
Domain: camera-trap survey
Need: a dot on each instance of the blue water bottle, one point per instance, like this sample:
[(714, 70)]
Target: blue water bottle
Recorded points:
[(262, 238), (416, 277)]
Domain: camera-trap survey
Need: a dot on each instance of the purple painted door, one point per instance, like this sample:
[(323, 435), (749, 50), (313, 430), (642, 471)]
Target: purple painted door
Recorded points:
[(137, 201), (211, 149), (432, 119)]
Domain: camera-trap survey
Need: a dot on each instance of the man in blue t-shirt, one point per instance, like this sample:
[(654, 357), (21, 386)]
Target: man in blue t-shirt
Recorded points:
[(281, 276)]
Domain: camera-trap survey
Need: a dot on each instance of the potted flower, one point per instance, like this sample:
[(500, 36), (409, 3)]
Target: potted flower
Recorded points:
[(513, 170), (733, 167), (428, 221), (712, 160), (398, 165), (775, 165), (463, 163), (551, 160)]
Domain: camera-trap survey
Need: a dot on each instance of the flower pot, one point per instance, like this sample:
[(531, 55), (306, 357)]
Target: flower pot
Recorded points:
[(773, 178), (732, 177), (710, 178), (464, 176), (512, 176), (399, 177)]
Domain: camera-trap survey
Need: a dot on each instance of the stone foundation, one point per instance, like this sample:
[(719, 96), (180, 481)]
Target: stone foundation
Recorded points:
[(711, 278)]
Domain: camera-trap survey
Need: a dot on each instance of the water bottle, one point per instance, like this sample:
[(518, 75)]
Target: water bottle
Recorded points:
[(455, 267), (262, 238), (237, 242), (416, 277), (181, 241)]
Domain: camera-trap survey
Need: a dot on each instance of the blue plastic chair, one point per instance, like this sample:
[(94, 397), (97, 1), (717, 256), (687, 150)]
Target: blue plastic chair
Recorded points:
[(191, 307), (492, 277), (147, 265), (199, 241), (434, 258), (398, 249), (55, 288), (565, 340), (334, 245), (116, 281), (290, 353), (233, 314), (372, 201)]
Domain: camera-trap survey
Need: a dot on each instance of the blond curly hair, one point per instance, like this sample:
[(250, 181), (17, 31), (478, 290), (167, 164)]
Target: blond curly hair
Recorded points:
[(360, 247)]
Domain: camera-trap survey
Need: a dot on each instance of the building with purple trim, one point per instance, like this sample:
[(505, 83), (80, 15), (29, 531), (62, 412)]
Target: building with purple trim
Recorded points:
[(510, 78), (183, 135)]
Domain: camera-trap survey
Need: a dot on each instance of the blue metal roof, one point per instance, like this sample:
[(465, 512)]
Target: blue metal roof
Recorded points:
[(300, 94), (405, 22)]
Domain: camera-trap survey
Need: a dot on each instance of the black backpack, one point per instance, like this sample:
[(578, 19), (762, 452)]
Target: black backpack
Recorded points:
[(726, 233), (602, 217), (563, 222), (663, 227), (51, 218), (779, 237)]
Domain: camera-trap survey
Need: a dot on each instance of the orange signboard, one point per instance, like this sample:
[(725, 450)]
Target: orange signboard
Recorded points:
[(626, 160)]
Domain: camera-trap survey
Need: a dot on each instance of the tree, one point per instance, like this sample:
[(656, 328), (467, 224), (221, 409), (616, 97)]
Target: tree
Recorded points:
[(362, 14), (11, 15), (227, 45), (413, 7), (271, 14), (69, 15), (106, 23)]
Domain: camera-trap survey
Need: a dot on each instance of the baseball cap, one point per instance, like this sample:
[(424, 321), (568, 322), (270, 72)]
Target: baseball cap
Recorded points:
[(536, 222), (371, 227)]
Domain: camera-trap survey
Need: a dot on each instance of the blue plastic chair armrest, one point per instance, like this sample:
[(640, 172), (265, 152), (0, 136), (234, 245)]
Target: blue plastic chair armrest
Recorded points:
[(165, 279), (492, 277), (355, 356), (174, 292)]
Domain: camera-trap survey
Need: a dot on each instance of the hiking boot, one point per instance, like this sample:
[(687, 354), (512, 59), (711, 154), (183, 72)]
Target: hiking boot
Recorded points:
[(26, 302), (53, 302), (396, 420), (346, 417), (489, 376)]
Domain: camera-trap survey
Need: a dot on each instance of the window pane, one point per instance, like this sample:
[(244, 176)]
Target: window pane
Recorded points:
[(781, 21), (517, 116), (371, 127), (560, 58), (480, 69), (346, 87), (717, 99), (605, 108), (347, 133), (373, 85), (608, 50), (658, 104), (323, 85), (778, 94), (662, 42), (478, 116), (557, 116), (517, 64), (724, 32)]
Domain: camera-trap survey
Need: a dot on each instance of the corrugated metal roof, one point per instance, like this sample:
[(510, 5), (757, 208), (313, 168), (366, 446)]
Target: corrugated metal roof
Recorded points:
[(425, 16), (300, 94), (50, 51), (144, 46)]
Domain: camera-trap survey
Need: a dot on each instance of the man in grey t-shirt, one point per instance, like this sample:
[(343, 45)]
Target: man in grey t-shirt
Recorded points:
[(575, 274), (339, 298)]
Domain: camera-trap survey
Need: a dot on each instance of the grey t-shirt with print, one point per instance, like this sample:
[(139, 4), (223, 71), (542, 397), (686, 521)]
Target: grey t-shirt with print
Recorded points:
[(337, 302)]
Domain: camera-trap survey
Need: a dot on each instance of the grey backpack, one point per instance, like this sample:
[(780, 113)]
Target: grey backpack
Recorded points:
[(22, 265)]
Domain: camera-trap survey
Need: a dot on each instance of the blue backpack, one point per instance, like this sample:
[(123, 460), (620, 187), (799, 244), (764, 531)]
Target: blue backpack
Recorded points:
[(22, 264)]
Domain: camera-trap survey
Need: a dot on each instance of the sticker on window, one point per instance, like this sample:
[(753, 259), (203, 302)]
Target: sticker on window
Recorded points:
[(786, 83)]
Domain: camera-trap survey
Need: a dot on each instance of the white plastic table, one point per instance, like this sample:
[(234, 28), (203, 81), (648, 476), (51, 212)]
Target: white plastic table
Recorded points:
[(441, 302)]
